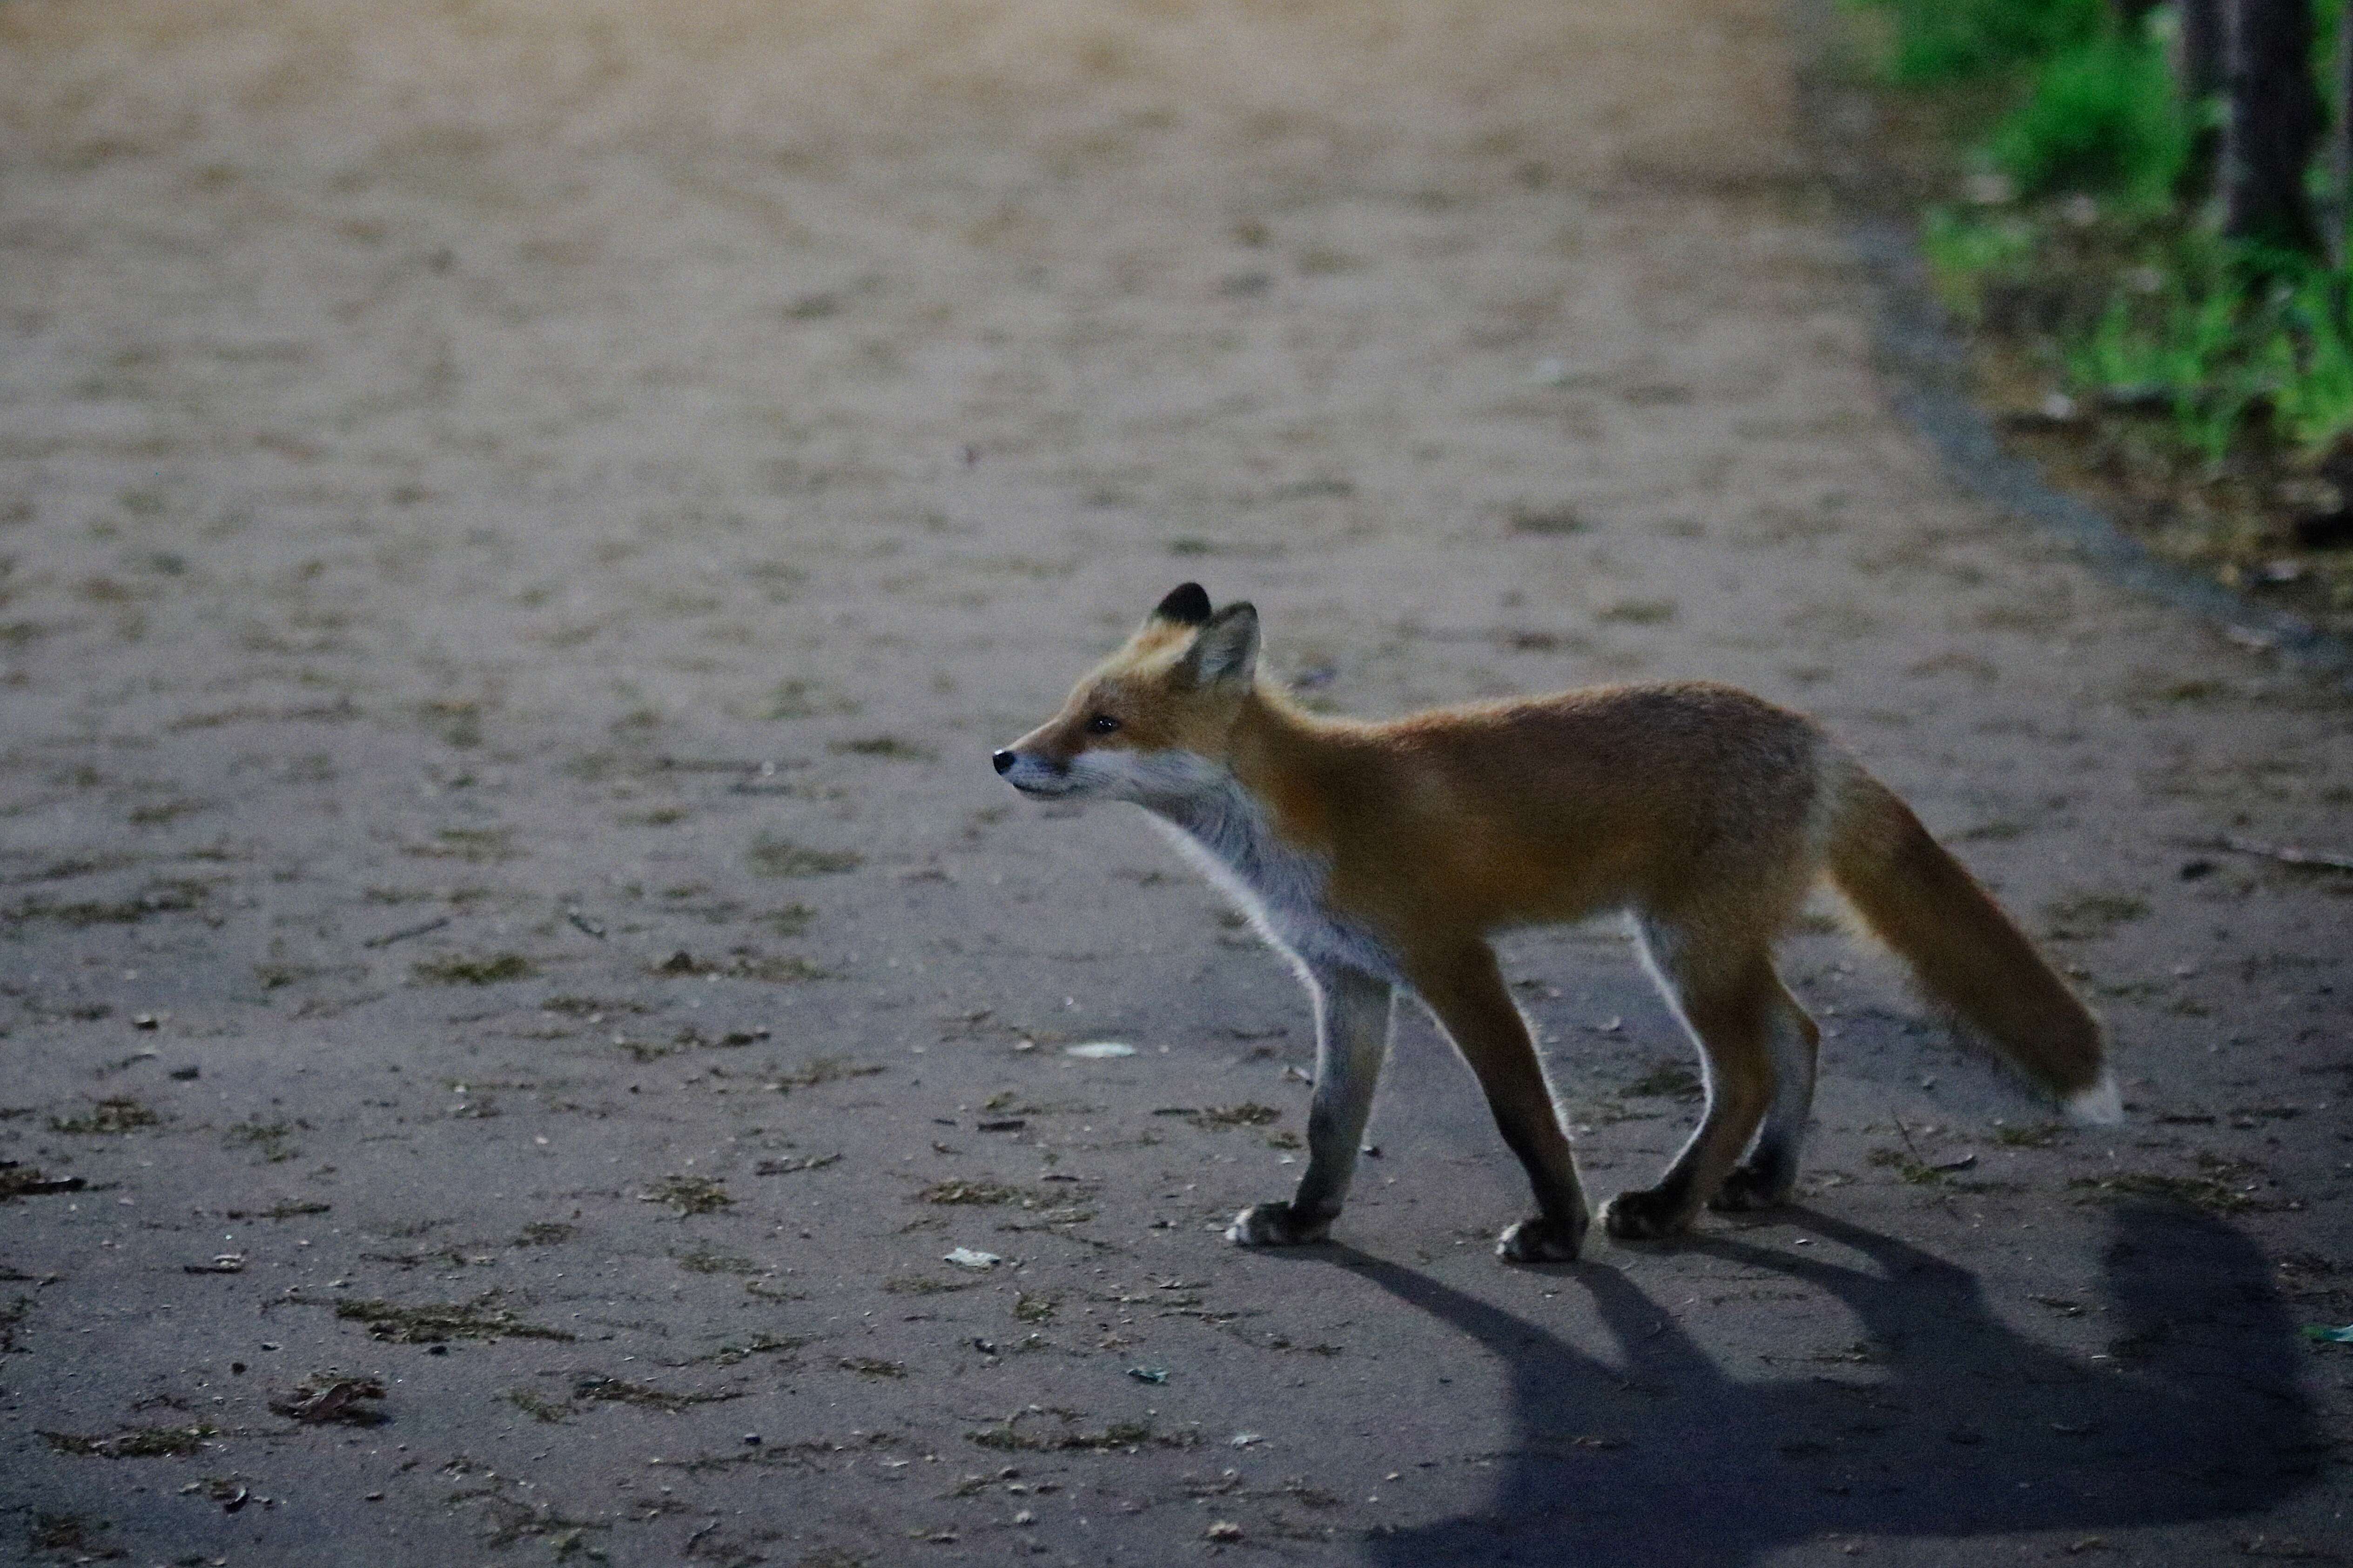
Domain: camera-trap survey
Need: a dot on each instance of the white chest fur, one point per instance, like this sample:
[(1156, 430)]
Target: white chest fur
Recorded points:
[(1281, 889)]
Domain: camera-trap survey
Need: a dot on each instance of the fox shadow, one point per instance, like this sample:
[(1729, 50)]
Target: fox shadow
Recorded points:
[(1946, 1424)]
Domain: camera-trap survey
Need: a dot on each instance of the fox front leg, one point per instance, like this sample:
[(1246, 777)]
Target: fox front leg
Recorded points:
[(1352, 1036)]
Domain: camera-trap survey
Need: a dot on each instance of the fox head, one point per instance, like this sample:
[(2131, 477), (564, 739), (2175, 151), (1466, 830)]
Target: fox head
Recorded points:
[(1153, 723)]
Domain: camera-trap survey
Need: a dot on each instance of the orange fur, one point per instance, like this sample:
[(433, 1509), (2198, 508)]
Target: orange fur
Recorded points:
[(1920, 901), (1383, 854)]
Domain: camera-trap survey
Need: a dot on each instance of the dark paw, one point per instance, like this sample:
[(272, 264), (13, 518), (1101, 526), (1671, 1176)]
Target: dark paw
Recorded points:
[(1274, 1224), (1643, 1216), (1540, 1240), (1750, 1188)]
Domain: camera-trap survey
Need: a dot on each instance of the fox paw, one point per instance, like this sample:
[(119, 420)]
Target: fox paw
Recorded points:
[(1749, 1188), (1540, 1240), (1274, 1224), (1643, 1216)]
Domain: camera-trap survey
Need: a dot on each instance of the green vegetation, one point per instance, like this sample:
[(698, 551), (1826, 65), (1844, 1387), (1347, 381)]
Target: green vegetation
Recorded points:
[(2210, 347), (1951, 40), (2086, 234), (2101, 116), (2157, 334)]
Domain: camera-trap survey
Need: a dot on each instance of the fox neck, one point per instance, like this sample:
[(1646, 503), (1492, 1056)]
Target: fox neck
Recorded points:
[(1252, 823), (1257, 777), (1227, 810)]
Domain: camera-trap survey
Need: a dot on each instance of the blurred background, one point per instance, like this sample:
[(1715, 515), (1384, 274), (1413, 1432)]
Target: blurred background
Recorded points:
[(2139, 212)]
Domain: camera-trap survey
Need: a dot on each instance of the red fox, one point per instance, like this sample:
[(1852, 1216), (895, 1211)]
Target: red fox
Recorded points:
[(1381, 857)]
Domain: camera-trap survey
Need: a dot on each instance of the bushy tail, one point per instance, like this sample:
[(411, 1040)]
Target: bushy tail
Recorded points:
[(1967, 953)]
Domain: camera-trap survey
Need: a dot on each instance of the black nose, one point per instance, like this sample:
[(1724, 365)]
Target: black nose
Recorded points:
[(1003, 760)]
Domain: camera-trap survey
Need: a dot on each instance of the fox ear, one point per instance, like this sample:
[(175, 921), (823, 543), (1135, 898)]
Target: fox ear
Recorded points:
[(1225, 651), (1186, 606)]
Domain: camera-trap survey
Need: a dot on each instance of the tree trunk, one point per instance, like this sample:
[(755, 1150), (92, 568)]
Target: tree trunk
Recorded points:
[(2340, 143), (2275, 123), (2198, 69), (2205, 31)]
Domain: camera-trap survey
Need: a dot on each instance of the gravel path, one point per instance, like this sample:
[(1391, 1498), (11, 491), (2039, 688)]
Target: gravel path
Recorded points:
[(518, 526)]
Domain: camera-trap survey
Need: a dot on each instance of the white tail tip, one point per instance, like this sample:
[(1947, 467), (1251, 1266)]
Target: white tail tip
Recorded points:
[(2100, 1106)]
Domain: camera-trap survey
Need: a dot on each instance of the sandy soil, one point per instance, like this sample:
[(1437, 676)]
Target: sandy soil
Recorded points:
[(518, 528)]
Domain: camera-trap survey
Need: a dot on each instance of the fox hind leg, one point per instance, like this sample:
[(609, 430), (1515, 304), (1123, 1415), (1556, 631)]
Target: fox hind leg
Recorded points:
[(1769, 1174), (1723, 987)]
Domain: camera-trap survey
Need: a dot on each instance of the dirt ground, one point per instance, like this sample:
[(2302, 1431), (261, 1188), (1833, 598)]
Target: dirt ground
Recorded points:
[(518, 526)]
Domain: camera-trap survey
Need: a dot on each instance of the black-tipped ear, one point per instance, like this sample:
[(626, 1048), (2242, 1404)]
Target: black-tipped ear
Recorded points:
[(1225, 651), (1187, 606)]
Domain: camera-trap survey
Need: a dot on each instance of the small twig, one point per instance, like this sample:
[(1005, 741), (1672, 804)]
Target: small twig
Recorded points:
[(1906, 1133), (2285, 854), (389, 938)]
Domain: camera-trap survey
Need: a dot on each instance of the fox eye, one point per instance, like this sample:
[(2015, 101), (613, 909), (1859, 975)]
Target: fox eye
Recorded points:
[(1103, 724)]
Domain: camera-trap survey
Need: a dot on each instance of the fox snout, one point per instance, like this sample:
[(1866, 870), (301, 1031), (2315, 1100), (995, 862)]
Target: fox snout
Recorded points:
[(1031, 771)]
